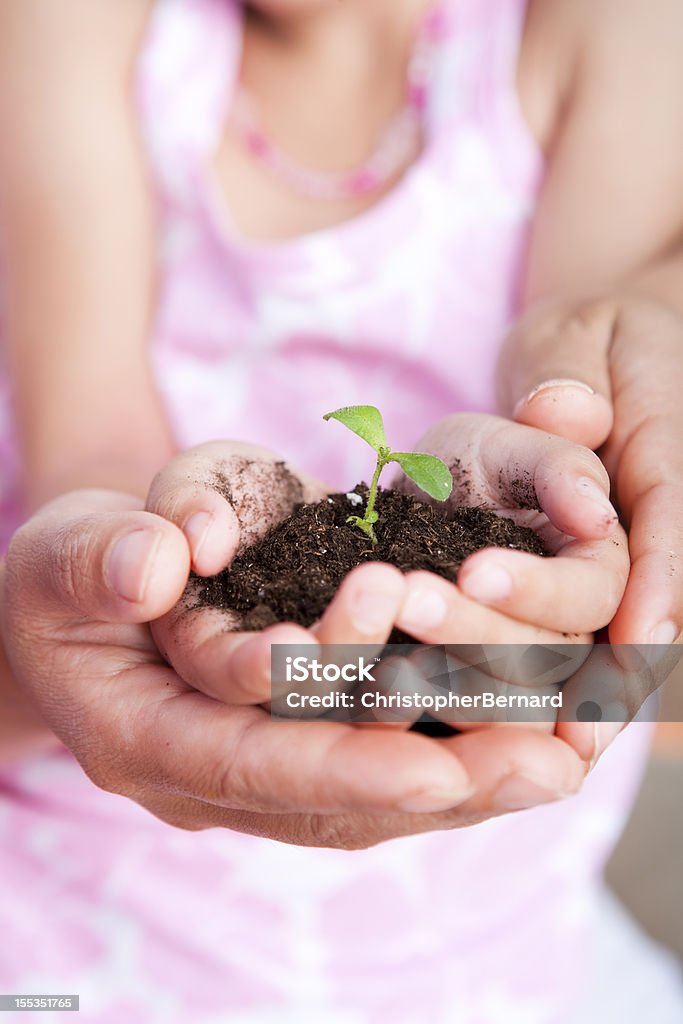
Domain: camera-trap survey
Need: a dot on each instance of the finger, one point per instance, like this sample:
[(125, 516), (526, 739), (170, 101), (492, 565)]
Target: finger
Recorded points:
[(512, 467), (514, 769), (652, 608), (646, 461), (224, 496), (207, 650), (363, 612), (608, 691), (553, 372), (436, 612), (511, 770), (364, 608), (78, 556), (478, 692), (565, 481), (241, 758), (578, 591)]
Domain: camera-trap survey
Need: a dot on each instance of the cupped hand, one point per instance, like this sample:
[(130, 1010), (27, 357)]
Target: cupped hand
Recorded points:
[(82, 578), (608, 373), (562, 491), (241, 491), (558, 488)]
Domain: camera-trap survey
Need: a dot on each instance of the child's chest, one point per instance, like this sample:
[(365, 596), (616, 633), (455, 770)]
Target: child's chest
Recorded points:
[(325, 125)]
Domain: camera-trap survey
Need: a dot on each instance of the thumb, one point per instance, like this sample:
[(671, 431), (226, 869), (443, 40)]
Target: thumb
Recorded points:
[(553, 371), (96, 555)]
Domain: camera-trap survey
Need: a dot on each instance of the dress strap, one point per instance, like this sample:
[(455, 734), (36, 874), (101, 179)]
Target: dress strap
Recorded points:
[(477, 61), (186, 71), (474, 90)]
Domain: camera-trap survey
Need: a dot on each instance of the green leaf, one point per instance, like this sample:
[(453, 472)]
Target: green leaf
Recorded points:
[(364, 420), (429, 473)]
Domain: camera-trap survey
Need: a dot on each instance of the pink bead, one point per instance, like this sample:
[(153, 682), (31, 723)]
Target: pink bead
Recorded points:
[(362, 181), (257, 143), (434, 24), (417, 95)]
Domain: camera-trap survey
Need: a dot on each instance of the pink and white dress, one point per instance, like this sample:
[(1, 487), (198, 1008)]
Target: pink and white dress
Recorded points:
[(403, 307)]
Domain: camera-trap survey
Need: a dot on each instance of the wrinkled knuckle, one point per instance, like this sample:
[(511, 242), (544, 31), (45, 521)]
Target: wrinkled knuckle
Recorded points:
[(24, 560), (594, 464), (539, 330), (228, 782), (104, 772), (159, 486), (594, 315), (177, 819), (331, 832), (101, 754), (174, 502), (177, 811), (70, 566), (20, 545)]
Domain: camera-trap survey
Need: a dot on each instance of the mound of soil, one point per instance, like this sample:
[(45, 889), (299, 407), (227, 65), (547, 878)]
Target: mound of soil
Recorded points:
[(292, 573)]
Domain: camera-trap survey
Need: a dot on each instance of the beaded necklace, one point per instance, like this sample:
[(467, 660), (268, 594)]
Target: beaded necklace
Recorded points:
[(397, 142)]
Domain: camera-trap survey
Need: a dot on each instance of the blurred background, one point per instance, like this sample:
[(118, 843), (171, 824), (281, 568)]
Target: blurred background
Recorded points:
[(646, 869)]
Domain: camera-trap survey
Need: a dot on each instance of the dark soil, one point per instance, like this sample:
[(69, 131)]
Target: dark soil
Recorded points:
[(292, 573)]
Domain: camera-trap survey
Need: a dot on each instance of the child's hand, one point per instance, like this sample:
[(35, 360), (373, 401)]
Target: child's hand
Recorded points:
[(236, 492), (558, 488)]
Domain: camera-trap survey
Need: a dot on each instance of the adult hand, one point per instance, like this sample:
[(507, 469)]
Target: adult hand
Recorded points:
[(609, 373), (82, 578)]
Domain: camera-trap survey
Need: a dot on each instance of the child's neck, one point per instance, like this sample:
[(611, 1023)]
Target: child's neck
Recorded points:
[(339, 57), (341, 33), (325, 85)]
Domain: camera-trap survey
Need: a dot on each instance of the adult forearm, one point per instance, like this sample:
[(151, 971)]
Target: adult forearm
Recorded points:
[(661, 281)]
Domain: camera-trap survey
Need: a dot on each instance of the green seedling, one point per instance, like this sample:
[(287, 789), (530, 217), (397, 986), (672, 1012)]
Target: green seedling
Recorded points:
[(429, 473)]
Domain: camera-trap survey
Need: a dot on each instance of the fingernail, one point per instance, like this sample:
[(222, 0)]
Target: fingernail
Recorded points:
[(665, 633), (491, 582), (559, 382), (424, 608), (605, 733), (549, 385), (593, 491), (372, 611), (516, 793), (130, 563), (431, 801), (197, 529)]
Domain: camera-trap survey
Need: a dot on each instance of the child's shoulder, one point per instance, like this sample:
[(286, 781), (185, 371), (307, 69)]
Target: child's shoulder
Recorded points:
[(577, 36), (600, 56)]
